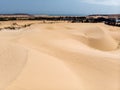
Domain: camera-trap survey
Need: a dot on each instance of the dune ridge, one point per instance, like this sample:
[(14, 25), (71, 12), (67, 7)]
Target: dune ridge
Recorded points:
[(62, 56)]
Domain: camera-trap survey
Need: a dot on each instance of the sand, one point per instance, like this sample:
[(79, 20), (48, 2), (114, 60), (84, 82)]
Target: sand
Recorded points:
[(60, 56)]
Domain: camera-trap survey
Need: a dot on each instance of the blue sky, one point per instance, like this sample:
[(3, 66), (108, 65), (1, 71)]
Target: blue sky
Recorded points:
[(60, 6)]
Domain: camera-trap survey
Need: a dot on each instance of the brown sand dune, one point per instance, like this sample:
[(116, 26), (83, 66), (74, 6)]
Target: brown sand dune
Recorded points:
[(65, 56)]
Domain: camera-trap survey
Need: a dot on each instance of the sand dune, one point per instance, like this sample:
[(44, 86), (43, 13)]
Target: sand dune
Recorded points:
[(12, 61), (100, 40), (61, 56)]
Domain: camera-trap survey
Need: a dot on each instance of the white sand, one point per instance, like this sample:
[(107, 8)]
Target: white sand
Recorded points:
[(60, 56)]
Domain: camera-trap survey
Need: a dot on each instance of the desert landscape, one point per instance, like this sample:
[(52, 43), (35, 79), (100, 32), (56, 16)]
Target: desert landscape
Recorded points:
[(59, 56)]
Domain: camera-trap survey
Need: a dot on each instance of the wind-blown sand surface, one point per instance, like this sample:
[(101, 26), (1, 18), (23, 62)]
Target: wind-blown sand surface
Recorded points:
[(60, 56)]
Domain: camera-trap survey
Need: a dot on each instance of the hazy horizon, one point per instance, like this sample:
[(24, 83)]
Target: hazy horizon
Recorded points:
[(60, 7)]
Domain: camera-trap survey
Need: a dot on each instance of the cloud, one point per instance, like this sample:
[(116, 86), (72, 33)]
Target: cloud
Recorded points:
[(104, 2)]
